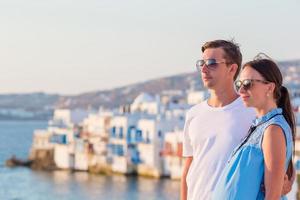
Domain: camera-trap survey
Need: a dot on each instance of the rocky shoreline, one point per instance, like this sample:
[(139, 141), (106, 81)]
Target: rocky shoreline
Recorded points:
[(38, 160), (44, 160)]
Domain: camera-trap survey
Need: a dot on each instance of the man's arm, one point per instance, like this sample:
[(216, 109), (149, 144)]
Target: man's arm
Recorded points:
[(186, 167), (288, 183)]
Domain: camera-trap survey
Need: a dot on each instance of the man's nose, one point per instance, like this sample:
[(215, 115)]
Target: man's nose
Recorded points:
[(204, 68)]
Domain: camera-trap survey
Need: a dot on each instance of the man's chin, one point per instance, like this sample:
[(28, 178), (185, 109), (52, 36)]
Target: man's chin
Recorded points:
[(208, 85)]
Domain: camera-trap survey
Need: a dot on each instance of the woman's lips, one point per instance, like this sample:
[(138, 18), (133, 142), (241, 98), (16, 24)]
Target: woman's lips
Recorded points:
[(245, 97)]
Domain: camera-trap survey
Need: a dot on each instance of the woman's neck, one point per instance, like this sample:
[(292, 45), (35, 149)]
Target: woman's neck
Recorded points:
[(265, 109)]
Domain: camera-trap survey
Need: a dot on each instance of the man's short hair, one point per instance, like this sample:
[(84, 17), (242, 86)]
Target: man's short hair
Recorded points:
[(232, 51)]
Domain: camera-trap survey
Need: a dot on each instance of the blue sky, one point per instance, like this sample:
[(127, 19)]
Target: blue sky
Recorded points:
[(70, 47)]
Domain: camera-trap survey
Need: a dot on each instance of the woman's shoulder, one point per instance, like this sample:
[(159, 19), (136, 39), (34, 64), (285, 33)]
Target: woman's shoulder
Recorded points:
[(278, 127), (279, 123)]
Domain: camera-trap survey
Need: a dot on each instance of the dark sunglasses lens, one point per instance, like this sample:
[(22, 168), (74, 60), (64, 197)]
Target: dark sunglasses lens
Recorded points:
[(211, 62), (247, 84), (238, 85), (200, 63)]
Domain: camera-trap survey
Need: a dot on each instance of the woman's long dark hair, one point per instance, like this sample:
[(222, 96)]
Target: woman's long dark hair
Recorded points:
[(270, 71)]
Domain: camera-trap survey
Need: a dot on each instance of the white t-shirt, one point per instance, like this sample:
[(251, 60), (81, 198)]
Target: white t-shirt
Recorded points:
[(210, 136)]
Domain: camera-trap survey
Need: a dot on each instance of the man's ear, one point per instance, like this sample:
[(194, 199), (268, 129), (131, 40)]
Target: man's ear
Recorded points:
[(233, 69)]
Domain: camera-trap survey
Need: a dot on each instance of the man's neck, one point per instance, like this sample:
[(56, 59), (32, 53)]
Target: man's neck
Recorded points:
[(220, 98)]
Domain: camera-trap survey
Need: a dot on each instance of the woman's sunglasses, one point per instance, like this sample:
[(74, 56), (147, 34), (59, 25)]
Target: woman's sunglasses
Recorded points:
[(247, 83), (210, 63)]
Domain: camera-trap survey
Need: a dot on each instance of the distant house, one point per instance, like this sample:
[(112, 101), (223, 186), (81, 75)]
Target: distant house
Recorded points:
[(172, 153), (122, 143), (41, 140), (95, 131), (145, 103), (195, 97), (67, 118), (63, 141), (151, 134)]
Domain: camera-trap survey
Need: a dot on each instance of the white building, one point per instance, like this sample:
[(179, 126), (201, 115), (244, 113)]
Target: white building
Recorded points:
[(64, 156), (172, 153), (98, 151), (81, 153), (41, 140), (67, 118), (63, 142), (173, 96), (97, 124), (150, 145), (120, 148), (146, 103), (195, 97)]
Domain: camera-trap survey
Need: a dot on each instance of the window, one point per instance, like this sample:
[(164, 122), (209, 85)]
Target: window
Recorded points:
[(113, 131), (159, 134), (121, 132)]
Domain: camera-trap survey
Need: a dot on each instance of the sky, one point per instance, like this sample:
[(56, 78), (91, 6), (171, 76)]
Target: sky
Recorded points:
[(74, 46)]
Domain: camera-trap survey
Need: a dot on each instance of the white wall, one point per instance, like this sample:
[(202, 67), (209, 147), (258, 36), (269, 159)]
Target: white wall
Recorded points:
[(41, 139), (96, 124), (119, 164), (62, 156), (81, 161)]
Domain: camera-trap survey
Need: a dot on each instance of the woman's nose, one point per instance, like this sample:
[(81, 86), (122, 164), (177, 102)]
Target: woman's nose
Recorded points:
[(241, 90)]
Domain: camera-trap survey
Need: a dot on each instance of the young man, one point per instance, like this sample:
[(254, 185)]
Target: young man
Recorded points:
[(216, 126)]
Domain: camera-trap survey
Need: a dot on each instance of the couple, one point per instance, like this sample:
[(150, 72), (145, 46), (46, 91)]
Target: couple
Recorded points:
[(224, 158)]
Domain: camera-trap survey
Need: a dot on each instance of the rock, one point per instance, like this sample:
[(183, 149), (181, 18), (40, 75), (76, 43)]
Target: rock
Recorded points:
[(14, 162)]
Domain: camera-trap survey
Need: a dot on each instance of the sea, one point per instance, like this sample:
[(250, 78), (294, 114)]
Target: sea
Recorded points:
[(21, 183)]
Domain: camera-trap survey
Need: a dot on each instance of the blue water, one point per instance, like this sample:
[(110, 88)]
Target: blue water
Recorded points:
[(23, 183)]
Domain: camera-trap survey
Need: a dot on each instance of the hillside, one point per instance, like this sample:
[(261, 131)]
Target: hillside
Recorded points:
[(41, 105)]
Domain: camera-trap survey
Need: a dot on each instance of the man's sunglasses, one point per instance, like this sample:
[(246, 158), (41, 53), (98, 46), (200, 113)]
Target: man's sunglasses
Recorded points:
[(210, 63), (247, 83)]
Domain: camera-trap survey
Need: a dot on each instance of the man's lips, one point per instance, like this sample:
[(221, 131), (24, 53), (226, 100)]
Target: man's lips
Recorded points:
[(206, 78)]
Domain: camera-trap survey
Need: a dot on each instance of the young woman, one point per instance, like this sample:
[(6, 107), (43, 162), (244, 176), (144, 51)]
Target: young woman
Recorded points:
[(258, 165)]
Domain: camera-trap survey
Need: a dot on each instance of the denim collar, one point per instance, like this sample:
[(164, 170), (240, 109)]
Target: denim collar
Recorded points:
[(266, 117)]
